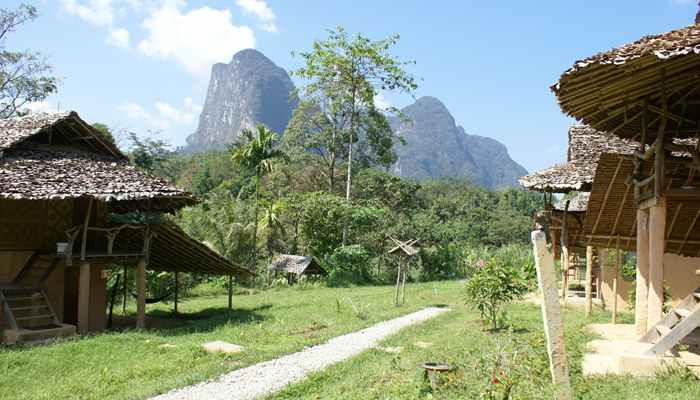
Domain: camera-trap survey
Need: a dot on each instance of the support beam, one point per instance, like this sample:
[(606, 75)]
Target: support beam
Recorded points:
[(177, 288), (565, 255), (84, 297), (551, 315), (141, 294), (589, 278), (230, 292), (642, 282), (618, 259), (657, 230)]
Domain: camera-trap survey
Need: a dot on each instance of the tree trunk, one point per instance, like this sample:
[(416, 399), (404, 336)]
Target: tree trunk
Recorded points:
[(255, 223)]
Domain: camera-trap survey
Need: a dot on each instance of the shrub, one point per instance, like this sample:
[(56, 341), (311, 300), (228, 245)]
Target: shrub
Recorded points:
[(349, 265), (493, 285)]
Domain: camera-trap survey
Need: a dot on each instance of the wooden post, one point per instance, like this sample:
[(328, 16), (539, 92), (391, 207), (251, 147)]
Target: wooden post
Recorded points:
[(589, 278), (125, 294), (618, 258), (551, 315), (602, 260), (642, 281), (176, 290), (398, 281), (83, 248), (403, 284), (141, 294), (657, 230), (564, 261), (230, 292), (84, 298)]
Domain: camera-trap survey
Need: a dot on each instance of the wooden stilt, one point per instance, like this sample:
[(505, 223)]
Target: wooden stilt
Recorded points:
[(403, 286), (657, 230), (176, 290), (589, 278), (125, 296), (642, 280), (84, 298), (564, 260), (551, 315), (230, 292), (398, 281), (141, 294), (618, 258)]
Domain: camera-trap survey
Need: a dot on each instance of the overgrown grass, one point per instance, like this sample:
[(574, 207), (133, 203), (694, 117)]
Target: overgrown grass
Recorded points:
[(485, 363), (136, 364)]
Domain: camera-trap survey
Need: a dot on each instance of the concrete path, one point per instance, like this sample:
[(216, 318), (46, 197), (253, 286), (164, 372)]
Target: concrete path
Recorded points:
[(271, 376)]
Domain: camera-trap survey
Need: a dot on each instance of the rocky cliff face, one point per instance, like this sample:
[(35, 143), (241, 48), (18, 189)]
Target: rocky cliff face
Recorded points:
[(250, 89), (437, 147)]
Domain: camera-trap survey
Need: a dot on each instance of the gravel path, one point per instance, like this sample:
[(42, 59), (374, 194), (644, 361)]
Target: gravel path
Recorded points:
[(271, 376)]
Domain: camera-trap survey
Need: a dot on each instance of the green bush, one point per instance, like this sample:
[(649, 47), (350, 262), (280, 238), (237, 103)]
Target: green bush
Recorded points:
[(349, 265), (493, 285)]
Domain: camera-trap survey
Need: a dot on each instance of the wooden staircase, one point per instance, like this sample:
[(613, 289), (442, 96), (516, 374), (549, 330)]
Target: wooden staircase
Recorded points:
[(27, 308), (679, 326)]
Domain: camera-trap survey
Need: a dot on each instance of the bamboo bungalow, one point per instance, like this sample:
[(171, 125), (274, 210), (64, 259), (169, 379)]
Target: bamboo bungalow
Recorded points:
[(646, 91), (565, 219), (60, 184)]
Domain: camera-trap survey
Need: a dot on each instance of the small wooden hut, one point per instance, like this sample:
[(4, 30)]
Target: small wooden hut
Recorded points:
[(61, 183), (294, 267)]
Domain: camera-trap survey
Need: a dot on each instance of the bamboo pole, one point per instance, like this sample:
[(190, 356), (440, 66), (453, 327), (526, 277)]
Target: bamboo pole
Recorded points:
[(141, 294), (589, 278), (551, 316), (618, 257), (230, 292), (176, 290)]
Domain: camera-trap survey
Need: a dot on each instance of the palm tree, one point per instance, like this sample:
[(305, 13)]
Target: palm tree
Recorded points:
[(256, 152), (271, 222)]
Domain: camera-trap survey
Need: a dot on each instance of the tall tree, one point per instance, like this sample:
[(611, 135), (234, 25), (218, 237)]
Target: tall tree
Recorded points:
[(347, 73), (256, 152), (25, 76)]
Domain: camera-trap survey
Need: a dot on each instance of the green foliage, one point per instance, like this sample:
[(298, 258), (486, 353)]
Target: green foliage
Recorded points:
[(25, 76), (148, 153), (348, 266), (345, 73), (104, 131), (493, 284)]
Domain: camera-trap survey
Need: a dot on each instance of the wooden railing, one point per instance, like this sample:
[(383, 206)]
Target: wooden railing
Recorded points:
[(111, 234)]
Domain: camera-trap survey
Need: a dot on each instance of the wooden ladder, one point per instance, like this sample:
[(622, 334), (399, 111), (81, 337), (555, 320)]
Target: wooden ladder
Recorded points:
[(36, 270), (27, 307), (675, 327)]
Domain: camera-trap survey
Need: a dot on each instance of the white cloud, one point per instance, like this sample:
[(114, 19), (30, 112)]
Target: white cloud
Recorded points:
[(118, 37), (100, 13), (41, 106), (164, 116), (381, 102), (262, 11), (196, 39)]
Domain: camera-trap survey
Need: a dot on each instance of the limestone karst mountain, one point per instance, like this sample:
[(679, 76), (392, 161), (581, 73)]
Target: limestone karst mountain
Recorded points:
[(435, 146), (250, 89)]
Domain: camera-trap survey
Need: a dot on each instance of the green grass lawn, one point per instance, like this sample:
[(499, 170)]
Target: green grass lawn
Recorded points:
[(134, 365), (516, 356)]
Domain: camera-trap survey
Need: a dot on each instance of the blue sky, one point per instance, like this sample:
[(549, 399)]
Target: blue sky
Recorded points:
[(143, 65)]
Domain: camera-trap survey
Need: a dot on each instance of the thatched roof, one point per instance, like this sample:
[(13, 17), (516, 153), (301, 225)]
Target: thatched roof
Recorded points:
[(585, 147), (67, 126), (612, 209), (173, 250), (54, 156), (297, 265), (607, 90)]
